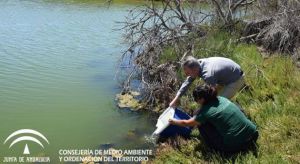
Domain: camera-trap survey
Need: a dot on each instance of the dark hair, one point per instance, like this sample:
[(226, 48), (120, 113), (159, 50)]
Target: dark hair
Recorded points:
[(208, 93)]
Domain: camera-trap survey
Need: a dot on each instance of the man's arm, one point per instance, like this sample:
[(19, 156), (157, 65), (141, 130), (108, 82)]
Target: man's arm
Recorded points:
[(184, 87), (191, 122), (213, 82)]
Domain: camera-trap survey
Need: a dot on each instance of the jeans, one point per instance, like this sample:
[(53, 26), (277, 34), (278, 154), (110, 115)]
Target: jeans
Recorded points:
[(231, 89)]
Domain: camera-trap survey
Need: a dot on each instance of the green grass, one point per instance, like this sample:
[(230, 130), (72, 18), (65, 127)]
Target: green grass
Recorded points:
[(271, 100)]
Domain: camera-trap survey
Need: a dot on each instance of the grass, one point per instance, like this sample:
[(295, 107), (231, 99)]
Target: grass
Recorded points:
[(271, 99)]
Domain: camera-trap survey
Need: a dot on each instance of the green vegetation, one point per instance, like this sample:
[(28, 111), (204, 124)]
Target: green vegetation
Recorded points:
[(271, 99), (272, 93), (128, 100)]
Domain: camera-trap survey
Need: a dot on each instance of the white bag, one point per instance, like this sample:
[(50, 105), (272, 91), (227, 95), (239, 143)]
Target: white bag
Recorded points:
[(163, 120)]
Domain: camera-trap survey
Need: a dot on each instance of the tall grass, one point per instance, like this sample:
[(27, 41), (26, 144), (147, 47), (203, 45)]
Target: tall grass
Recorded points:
[(271, 99)]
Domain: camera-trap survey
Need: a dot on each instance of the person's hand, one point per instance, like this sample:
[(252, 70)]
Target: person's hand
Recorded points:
[(173, 103), (172, 121)]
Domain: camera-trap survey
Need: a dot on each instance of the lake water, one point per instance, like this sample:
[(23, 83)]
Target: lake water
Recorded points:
[(57, 66)]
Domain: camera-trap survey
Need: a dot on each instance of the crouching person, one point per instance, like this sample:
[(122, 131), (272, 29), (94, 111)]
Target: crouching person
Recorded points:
[(221, 123)]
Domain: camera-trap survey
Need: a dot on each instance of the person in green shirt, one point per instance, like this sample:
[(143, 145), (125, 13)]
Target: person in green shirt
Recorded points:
[(221, 123)]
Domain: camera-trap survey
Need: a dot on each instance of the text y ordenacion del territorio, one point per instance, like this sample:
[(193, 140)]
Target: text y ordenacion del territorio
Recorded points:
[(85, 152), (106, 155)]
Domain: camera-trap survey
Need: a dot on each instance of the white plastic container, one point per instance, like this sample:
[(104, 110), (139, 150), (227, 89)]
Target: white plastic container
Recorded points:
[(163, 120)]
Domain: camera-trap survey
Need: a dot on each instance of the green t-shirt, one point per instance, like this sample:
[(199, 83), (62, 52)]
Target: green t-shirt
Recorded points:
[(229, 121)]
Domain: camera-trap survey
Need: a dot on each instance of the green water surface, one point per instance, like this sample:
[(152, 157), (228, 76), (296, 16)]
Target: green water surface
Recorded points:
[(57, 68)]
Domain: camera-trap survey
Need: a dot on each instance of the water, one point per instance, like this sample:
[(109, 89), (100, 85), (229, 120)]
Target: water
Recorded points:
[(152, 139), (57, 65)]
